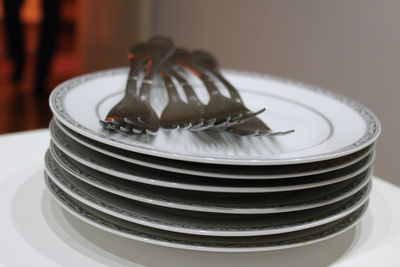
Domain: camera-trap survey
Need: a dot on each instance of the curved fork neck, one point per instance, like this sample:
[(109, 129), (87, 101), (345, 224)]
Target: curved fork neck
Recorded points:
[(133, 76), (173, 95), (232, 90), (206, 80)]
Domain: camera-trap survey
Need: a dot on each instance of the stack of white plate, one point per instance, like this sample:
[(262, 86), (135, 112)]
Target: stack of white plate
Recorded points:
[(214, 191)]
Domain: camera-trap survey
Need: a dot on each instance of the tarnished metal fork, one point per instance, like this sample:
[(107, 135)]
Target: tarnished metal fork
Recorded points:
[(134, 114), (225, 111), (251, 126), (217, 113), (179, 114), (198, 123), (130, 105)]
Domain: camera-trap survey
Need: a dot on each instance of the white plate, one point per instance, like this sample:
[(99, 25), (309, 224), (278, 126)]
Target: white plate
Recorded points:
[(203, 243), (69, 145), (327, 125), (209, 224), (62, 134), (232, 203), (82, 162)]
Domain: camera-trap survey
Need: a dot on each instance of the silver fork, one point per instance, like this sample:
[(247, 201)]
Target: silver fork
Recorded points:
[(198, 123), (159, 50), (218, 113), (177, 113), (251, 126), (225, 111), (134, 114), (130, 106)]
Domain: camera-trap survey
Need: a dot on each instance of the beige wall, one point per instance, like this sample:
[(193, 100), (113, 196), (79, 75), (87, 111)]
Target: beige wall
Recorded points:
[(108, 27), (348, 46)]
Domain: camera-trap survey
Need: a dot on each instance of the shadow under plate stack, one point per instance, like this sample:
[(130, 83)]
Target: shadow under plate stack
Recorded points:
[(214, 191)]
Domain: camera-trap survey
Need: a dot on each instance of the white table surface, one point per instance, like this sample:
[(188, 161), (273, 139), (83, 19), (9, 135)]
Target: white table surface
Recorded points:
[(35, 231)]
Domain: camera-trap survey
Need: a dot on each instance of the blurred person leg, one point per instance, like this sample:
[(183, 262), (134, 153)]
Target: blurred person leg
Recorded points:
[(48, 44), (14, 36)]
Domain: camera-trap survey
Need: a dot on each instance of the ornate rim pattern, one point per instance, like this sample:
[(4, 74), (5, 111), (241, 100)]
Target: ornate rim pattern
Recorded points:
[(214, 244), (346, 207), (359, 181), (65, 136), (69, 162)]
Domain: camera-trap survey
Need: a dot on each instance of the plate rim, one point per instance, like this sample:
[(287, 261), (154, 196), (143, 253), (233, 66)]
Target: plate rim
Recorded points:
[(193, 207), (54, 124), (373, 129), (255, 189), (113, 228), (98, 204)]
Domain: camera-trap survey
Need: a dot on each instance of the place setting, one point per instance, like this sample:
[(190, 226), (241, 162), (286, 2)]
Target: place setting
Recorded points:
[(177, 152)]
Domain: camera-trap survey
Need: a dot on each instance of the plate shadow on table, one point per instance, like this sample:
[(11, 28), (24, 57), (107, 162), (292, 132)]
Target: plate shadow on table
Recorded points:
[(113, 250)]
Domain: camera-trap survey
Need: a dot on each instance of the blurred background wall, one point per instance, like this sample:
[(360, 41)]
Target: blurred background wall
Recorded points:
[(348, 46), (107, 28)]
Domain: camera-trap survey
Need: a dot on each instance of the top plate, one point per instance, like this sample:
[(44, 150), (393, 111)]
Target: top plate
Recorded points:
[(326, 125)]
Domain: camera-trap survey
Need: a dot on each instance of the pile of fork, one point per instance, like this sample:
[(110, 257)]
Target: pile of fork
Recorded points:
[(134, 113)]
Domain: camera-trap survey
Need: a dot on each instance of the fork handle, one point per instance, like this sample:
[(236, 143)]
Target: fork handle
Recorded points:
[(131, 84), (210, 85), (137, 56), (206, 80), (159, 49), (180, 58), (184, 58), (232, 90), (191, 95), (171, 89), (208, 62)]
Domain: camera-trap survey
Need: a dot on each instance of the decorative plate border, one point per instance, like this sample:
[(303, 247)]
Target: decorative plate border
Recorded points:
[(61, 134), (56, 102), (67, 158), (359, 181), (183, 240), (346, 207)]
